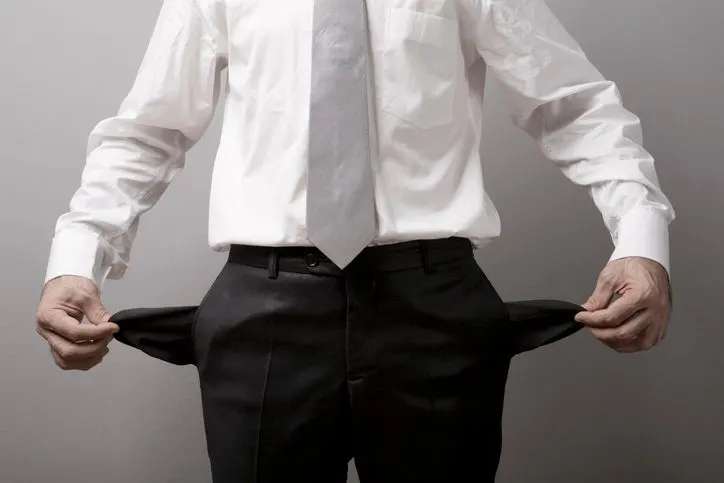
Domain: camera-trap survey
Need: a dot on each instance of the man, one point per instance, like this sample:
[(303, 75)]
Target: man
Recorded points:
[(351, 319)]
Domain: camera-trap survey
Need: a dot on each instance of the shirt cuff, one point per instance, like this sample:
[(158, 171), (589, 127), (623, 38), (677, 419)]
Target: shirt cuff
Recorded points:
[(643, 233), (80, 253)]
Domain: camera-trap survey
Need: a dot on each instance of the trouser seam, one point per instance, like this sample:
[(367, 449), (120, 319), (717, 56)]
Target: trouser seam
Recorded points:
[(261, 403)]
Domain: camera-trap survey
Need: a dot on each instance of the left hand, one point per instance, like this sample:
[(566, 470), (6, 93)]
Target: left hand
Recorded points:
[(638, 319)]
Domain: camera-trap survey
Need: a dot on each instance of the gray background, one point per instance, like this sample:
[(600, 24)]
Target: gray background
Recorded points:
[(576, 412)]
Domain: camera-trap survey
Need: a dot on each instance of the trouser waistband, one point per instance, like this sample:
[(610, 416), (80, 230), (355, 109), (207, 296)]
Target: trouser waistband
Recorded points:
[(426, 254)]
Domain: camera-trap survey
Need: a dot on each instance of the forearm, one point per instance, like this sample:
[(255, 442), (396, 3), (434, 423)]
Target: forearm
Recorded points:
[(597, 144), (576, 115), (133, 156), (128, 169)]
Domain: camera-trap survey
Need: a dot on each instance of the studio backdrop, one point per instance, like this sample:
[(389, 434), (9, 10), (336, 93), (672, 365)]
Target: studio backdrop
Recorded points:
[(576, 412)]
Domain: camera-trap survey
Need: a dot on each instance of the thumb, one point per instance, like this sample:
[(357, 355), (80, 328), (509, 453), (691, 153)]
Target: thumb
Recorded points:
[(601, 296), (97, 313)]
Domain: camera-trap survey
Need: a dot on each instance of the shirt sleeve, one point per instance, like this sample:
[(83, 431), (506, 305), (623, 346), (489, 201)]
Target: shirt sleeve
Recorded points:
[(558, 96), (134, 155)]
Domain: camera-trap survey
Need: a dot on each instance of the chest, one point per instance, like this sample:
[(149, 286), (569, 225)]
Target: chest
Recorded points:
[(280, 24), (417, 47)]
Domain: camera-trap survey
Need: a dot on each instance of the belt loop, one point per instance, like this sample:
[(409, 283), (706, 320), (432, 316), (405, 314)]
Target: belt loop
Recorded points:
[(273, 264), (425, 254)]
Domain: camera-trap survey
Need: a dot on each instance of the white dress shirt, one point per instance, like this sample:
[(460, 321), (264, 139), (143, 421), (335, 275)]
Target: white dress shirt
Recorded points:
[(426, 106)]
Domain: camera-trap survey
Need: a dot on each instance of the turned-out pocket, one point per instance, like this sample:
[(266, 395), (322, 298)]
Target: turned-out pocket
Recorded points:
[(526, 325), (420, 62), (164, 333), (536, 323)]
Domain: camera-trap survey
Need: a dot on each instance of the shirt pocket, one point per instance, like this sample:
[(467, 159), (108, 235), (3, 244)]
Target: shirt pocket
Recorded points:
[(420, 60)]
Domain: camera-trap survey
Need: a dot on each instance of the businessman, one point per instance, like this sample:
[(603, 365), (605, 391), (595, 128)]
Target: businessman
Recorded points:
[(351, 320)]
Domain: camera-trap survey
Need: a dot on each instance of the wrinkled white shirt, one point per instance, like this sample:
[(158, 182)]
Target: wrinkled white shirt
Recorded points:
[(428, 75)]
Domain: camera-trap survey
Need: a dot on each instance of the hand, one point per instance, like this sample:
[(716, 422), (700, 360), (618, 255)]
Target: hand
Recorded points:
[(638, 319), (63, 303)]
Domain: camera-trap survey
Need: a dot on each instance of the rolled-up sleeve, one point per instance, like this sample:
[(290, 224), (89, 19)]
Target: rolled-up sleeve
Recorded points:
[(559, 97), (134, 155)]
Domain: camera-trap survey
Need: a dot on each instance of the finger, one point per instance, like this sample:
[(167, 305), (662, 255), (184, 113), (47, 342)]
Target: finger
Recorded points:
[(662, 335), (627, 349), (616, 314), (82, 365), (580, 317), (624, 347), (629, 333), (70, 351), (66, 326), (651, 337)]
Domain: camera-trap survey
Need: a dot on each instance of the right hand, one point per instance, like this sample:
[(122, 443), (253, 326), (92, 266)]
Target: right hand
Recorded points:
[(63, 303)]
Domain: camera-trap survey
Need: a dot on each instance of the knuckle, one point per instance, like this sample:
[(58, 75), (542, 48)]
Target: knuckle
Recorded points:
[(75, 334), (617, 337), (85, 296), (625, 335), (647, 292), (663, 307), (74, 295), (99, 314), (605, 337), (42, 319), (54, 347), (607, 276), (651, 322), (647, 345), (608, 321), (606, 283), (71, 353), (64, 353)]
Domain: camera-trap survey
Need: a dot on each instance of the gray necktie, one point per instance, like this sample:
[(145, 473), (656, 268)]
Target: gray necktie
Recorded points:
[(340, 196)]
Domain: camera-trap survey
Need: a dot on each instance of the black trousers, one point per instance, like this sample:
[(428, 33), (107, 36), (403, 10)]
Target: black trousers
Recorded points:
[(399, 361)]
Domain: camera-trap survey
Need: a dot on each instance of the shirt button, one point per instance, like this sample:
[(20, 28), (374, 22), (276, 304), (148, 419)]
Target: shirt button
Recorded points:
[(311, 259)]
